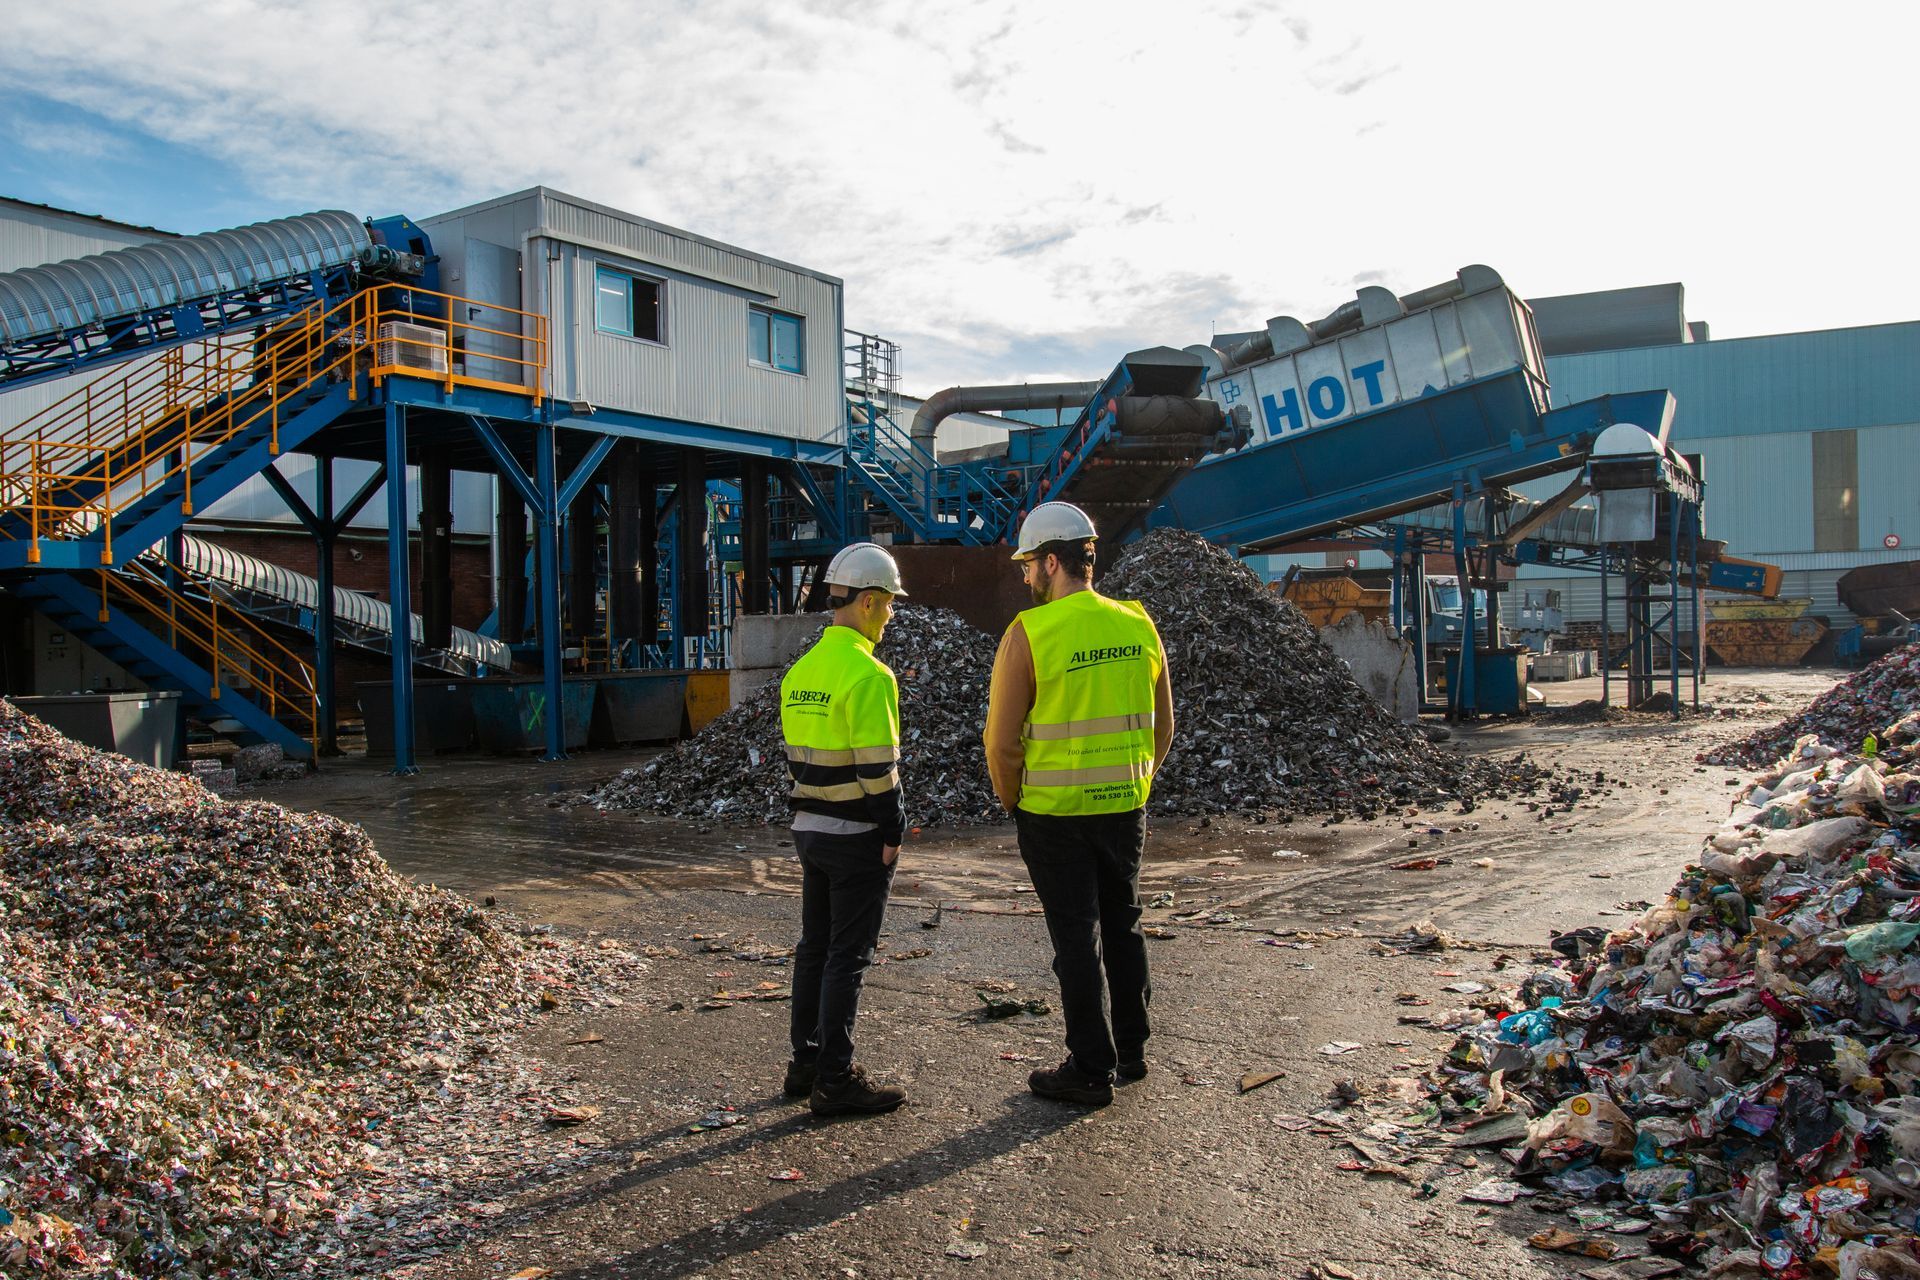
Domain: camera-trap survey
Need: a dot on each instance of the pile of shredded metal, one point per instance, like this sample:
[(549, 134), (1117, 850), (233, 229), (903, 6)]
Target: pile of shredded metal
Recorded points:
[(205, 1009), (735, 769), (1842, 717), (1268, 718)]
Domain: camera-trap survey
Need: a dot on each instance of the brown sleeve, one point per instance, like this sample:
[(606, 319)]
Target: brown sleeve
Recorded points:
[(1009, 699), (1162, 718)]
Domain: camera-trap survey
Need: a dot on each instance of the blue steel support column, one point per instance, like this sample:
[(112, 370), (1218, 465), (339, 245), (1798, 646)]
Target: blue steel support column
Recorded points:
[(1675, 512), (323, 617), (1693, 578), (399, 596), (1397, 602), (1606, 645), (1462, 694), (552, 651), (1417, 610)]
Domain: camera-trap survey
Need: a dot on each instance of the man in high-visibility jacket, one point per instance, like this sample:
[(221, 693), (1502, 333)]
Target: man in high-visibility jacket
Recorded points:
[(1079, 716), (840, 716)]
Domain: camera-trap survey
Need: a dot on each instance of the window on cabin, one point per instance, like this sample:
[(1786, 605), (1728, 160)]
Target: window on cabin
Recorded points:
[(627, 304), (776, 339)]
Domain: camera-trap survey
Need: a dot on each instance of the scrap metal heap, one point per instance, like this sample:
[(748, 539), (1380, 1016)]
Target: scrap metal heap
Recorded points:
[(209, 1010), (735, 769), (1270, 720)]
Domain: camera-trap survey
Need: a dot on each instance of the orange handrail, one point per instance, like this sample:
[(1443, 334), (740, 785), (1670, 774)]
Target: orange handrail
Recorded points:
[(69, 475), (144, 586)]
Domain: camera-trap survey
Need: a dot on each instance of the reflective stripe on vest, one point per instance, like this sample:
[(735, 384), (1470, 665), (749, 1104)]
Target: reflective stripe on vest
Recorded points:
[(1088, 740), (829, 756)]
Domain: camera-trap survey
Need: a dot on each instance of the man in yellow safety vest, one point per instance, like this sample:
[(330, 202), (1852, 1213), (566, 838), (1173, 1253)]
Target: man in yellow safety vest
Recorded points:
[(1079, 716), (840, 716)]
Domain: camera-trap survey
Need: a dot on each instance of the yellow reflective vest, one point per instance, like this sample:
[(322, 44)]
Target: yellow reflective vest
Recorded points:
[(1088, 741), (840, 716)]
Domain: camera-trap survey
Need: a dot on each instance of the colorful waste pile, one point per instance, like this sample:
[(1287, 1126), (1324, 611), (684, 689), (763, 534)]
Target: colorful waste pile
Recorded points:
[(1269, 720), (1733, 1081), (1844, 716), (207, 1009)]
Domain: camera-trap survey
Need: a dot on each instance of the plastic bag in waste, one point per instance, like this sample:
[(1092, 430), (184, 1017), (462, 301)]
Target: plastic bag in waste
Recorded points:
[(1870, 942), (1588, 1117)]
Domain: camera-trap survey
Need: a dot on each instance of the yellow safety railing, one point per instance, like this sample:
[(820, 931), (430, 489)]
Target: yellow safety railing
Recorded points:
[(69, 469), (239, 650), (513, 345)]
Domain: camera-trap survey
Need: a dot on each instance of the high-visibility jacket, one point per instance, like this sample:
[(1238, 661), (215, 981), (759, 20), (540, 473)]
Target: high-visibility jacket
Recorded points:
[(840, 716), (1088, 741)]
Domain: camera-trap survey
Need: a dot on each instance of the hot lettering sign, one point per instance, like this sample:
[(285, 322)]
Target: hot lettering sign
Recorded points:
[(1416, 355)]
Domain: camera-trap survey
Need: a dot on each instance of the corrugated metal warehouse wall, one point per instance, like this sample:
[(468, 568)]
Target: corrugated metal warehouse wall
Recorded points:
[(700, 372), (33, 235)]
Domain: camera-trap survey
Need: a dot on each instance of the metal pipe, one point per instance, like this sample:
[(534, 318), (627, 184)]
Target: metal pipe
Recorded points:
[(1029, 395)]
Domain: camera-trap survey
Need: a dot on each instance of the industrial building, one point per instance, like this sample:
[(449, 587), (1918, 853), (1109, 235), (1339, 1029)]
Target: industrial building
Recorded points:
[(560, 438), (1808, 443)]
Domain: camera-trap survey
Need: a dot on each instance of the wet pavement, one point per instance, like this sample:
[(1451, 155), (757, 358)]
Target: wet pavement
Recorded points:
[(1269, 952)]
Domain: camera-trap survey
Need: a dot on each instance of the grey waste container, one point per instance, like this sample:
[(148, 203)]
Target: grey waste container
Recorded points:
[(140, 726)]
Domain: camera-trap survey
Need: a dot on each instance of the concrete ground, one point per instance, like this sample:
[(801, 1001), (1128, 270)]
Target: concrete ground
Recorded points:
[(1185, 1175)]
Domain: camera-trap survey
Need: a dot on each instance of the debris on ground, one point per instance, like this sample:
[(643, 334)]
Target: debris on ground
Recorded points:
[(1270, 720), (1735, 1076), (217, 1020), (1842, 717)]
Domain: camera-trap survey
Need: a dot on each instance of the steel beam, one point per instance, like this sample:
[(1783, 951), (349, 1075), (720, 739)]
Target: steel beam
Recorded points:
[(399, 593), (324, 623), (547, 509)]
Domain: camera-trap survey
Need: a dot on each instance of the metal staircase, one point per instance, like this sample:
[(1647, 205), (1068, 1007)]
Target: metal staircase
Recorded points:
[(228, 668), (102, 475)]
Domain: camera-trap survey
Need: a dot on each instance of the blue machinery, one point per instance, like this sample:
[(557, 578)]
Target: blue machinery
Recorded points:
[(1398, 420)]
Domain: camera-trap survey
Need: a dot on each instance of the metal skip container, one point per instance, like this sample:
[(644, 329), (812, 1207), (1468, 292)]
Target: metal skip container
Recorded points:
[(144, 727), (510, 716)]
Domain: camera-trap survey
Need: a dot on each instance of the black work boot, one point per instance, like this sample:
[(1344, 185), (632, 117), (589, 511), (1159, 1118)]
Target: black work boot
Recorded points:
[(1131, 1069), (799, 1081), (854, 1094), (1068, 1083)]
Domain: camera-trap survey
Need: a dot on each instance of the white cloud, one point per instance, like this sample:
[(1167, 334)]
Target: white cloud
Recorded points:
[(1020, 191)]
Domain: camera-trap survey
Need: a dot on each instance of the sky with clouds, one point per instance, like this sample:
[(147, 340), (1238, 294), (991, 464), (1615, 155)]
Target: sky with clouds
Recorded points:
[(1025, 191)]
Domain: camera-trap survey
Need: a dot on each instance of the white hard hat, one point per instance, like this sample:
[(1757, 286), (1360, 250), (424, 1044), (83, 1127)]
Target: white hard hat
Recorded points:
[(1052, 522), (864, 565)]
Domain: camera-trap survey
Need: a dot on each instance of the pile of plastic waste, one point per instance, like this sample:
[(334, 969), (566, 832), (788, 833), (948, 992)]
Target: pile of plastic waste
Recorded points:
[(206, 1008), (1733, 1080), (1844, 716)]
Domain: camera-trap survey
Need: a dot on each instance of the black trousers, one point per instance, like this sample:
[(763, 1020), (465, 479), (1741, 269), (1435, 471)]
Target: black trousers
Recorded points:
[(843, 899), (1086, 873)]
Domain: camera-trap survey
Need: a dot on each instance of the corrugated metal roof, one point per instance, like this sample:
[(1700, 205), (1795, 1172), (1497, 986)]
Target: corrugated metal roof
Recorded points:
[(90, 217)]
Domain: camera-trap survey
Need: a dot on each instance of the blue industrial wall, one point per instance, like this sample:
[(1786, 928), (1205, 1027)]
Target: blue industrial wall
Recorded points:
[(1785, 382)]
